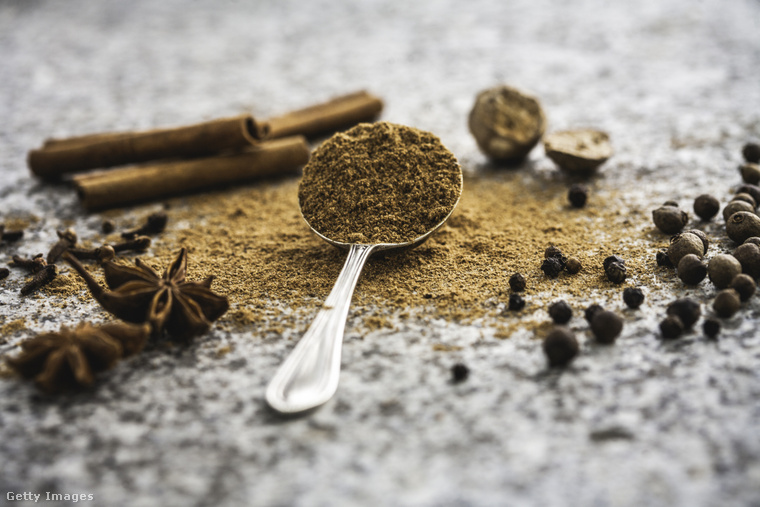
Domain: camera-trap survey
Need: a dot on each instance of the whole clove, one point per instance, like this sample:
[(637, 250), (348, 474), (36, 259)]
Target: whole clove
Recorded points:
[(66, 239), (154, 224), (101, 254), (33, 265), (138, 244), (10, 236), (41, 278)]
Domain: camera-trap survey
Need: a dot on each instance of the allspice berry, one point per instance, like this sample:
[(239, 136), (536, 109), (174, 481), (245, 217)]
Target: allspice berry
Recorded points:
[(577, 195), (670, 219), (686, 309), (744, 285), (517, 282), (750, 189), (581, 150), (606, 326), (671, 327), (703, 237), (633, 297), (706, 206), (743, 225), (691, 269), (727, 303), (573, 265), (736, 206), (506, 123), (560, 347), (560, 312), (744, 196), (751, 152), (753, 239), (684, 244), (711, 328), (748, 256), (750, 173), (722, 269)]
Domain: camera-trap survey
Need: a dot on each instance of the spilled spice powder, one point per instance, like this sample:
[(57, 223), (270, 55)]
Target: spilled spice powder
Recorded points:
[(379, 183)]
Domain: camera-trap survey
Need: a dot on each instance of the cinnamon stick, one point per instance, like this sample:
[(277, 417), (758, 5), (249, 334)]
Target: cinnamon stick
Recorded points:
[(333, 115), (119, 187), (61, 156)]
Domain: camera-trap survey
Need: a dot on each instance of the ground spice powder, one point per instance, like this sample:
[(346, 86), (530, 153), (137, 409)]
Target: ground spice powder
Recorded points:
[(379, 183)]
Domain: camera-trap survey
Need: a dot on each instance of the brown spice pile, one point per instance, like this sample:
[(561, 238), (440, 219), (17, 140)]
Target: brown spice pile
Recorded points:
[(379, 183)]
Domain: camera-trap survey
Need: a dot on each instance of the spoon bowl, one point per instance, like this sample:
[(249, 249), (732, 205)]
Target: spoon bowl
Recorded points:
[(309, 376)]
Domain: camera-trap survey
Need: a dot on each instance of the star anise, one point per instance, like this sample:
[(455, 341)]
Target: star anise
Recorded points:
[(64, 360), (139, 294)]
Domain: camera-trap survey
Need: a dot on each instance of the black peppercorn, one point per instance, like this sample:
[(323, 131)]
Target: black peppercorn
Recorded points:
[(560, 312), (560, 346), (606, 326), (633, 297), (577, 195), (706, 206), (727, 303), (592, 310), (573, 265), (552, 251), (516, 302), (711, 328), (691, 270), (663, 260), (459, 373), (669, 219), (751, 152), (552, 267), (517, 282), (685, 309), (744, 285), (616, 272), (610, 259), (671, 327)]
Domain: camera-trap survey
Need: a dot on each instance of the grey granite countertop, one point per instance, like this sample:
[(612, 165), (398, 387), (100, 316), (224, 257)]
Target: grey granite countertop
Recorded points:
[(674, 82)]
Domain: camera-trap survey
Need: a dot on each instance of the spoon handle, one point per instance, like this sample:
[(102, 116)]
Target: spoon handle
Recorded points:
[(309, 376)]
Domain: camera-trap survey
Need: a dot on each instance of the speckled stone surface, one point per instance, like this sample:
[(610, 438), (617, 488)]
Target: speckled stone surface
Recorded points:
[(643, 422)]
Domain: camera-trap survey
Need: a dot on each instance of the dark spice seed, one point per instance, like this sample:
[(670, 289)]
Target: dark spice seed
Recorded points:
[(573, 265), (610, 259), (138, 244), (553, 252), (686, 309), (727, 303), (748, 256), (743, 225), (671, 327), (34, 264), (735, 207), (722, 269), (743, 196), (663, 260), (744, 285), (706, 206), (754, 240), (751, 152), (107, 226), (551, 267), (4, 272), (11, 236), (633, 297), (606, 326), (673, 204), (669, 219), (154, 224), (560, 347), (517, 282), (711, 328), (560, 312), (459, 372), (66, 239), (702, 236), (691, 270), (616, 272), (592, 310), (684, 244), (516, 302), (752, 190), (578, 195)]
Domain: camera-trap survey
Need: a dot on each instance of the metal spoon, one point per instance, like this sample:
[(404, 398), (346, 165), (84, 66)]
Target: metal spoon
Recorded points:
[(309, 376)]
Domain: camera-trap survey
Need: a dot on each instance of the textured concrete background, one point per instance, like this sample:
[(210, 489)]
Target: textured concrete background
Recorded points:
[(674, 82)]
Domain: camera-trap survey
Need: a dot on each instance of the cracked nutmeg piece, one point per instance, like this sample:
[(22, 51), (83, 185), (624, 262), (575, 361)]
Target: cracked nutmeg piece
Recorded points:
[(69, 358), (139, 294), (580, 151)]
